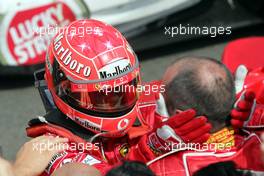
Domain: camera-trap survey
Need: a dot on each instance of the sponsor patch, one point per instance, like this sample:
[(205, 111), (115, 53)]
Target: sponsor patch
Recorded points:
[(115, 68), (90, 160), (88, 124), (124, 150), (54, 159)]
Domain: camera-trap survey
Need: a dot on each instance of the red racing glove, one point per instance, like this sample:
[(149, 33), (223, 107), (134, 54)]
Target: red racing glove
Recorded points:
[(242, 109), (184, 127), (247, 113)]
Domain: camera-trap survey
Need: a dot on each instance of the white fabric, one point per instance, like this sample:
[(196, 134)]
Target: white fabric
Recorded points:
[(166, 132), (161, 106), (42, 119), (240, 75)]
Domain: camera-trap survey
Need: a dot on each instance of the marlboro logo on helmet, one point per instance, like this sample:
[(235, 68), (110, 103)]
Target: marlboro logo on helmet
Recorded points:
[(115, 69), (65, 55)]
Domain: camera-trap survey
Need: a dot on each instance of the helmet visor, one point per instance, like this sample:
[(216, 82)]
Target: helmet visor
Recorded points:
[(109, 101)]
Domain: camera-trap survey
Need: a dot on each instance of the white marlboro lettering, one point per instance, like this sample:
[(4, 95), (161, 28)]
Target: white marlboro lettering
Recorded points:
[(60, 50), (86, 71), (58, 38), (73, 64), (57, 46), (79, 67), (67, 59), (115, 68), (65, 55)]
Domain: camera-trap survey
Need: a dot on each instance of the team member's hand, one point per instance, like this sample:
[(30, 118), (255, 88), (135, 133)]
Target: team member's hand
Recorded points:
[(5, 168), (184, 127), (71, 169), (34, 156)]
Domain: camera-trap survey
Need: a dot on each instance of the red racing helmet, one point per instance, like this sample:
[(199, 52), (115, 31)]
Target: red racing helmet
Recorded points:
[(92, 73)]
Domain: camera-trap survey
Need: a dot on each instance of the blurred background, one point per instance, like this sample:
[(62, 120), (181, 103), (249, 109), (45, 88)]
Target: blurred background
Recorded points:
[(143, 22)]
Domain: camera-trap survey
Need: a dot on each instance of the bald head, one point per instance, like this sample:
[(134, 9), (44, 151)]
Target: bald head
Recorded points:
[(200, 83), (203, 67)]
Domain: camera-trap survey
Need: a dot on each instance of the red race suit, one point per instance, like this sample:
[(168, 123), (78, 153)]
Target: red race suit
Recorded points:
[(102, 154), (246, 154)]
